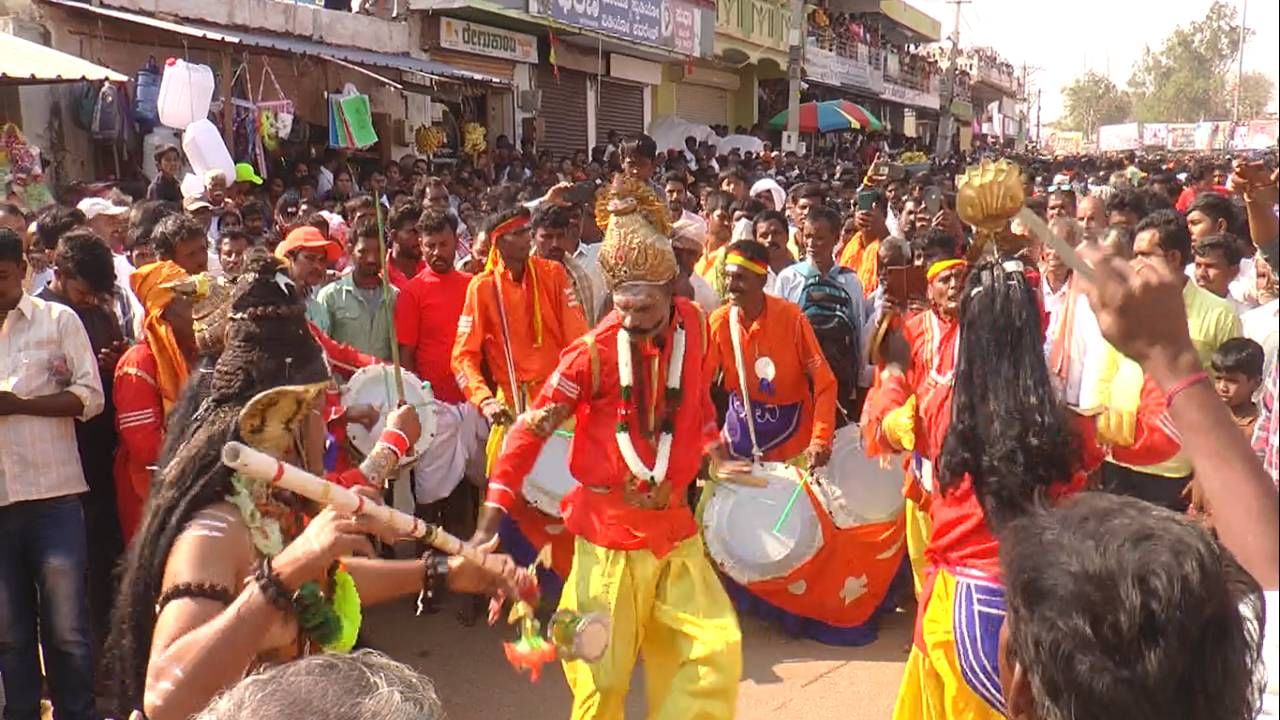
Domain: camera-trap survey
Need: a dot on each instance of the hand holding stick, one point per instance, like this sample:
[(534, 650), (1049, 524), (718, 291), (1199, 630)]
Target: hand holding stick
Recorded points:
[(262, 467)]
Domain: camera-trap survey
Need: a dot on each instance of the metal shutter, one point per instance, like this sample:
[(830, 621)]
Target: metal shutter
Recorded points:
[(702, 104), (563, 112), (621, 108)]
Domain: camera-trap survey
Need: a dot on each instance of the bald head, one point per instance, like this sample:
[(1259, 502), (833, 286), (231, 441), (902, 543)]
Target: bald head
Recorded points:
[(1091, 212)]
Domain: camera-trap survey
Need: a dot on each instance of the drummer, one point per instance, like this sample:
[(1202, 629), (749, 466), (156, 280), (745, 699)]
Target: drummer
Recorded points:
[(790, 388)]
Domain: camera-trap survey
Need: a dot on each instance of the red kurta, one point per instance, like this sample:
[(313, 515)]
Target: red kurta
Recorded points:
[(587, 381), (140, 427)]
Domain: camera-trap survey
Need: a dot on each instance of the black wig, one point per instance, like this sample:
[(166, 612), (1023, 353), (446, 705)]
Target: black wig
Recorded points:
[(1008, 431), (268, 344)]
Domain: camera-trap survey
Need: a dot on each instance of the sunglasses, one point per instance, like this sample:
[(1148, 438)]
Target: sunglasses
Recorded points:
[(1065, 187)]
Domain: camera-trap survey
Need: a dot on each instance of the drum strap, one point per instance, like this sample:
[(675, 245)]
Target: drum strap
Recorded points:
[(735, 334), (593, 354)]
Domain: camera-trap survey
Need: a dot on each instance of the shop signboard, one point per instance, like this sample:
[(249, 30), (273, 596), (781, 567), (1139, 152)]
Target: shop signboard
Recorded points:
[(677, 25), (910, 96), (829, 68), (489, 41)]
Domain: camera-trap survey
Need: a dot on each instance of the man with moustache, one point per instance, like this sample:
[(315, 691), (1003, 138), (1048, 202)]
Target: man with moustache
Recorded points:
[(354, 308)]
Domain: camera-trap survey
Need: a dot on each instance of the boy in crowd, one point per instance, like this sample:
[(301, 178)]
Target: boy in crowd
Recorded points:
[(1237, 375)]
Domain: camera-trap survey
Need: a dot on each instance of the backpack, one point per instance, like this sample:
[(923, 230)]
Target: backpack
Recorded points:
[(828, 306), (108, 114)]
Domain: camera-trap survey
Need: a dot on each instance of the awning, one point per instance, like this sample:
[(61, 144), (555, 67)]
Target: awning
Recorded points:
[(23, 62), (297, 46)]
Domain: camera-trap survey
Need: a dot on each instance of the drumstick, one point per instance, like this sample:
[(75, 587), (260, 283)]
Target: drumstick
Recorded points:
[(791, 503), (260, 466)]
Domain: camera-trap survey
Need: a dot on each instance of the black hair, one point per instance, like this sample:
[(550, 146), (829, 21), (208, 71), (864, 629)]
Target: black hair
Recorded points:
[(55, 220), (1127, 200), (1239, 355), (751, 250), (8, 208), (765, 216), (1217, 207), (1228, 245), (1125, 235), (1009, 433), (822, 214), (404, 217), (505, 215), (808, 189), (1155, 200), (434, 220), (749, 207), (732, 172), (1171, 230), (717, 200), (254, 206), (937, 244), (1121, 609), (83, 255), (676, 176), (551, 217), (640, 145), (11, 247), (1066, 195), (356, 205), (174, 229), (269, 345), (365, 227), (290, 197), (236, 234), (305, 181)]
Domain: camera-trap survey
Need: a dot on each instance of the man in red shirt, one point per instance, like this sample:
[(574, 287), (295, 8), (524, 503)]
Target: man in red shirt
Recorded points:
[(426, 324), (404, 253), (639, 389)]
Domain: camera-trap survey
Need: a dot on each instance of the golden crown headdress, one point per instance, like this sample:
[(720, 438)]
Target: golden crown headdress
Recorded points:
[(636, 246), (988, 196)]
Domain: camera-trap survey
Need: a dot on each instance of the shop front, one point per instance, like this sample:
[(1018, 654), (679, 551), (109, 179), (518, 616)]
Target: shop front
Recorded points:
[(496, 52), (624, 98)]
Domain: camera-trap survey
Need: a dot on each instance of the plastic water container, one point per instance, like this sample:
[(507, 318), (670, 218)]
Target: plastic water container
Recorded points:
[(206, 151), (152, 142), (147, 82), (186, 90)]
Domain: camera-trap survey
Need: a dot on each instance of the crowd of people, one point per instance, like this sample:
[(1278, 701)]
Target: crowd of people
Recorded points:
[(1082, 402)]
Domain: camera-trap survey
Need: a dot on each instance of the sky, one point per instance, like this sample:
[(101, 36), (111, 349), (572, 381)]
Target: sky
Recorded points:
[(1064, 40)]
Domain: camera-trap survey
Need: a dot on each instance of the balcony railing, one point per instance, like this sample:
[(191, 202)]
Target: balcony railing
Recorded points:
[(911, 71), (763, 22), (847, 47)]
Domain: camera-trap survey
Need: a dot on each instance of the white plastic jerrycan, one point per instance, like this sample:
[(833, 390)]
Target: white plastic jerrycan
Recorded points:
[(186, 90)]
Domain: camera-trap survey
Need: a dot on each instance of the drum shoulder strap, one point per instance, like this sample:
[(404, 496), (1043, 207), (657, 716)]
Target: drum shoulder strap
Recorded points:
[(593, 354)]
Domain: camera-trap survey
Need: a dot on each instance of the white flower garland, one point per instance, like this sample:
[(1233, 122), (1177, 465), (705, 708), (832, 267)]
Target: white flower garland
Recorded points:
[(626, 378)]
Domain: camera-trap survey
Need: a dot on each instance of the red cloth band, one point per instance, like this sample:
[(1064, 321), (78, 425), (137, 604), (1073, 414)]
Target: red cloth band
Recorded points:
[(1172, 393)]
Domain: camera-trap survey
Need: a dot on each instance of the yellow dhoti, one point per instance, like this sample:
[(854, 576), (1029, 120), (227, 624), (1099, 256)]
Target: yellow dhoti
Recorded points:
[(675, 612), (953, 670), (919, 528)]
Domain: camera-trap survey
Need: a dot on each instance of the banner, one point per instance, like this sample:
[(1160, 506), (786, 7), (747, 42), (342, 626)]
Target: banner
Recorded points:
[(829, 68), (1155, 135), (678, 25), (1256, 135), (1118, 137), (1182, 136), (909, 96), (1063, 142)]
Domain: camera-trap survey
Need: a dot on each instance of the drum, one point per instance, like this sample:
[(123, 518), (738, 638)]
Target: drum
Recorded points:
[(855, 489), (738, 526), (376, 385), (549, 481)]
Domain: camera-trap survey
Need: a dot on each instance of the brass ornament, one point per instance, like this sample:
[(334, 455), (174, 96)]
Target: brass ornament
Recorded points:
[(988, 196), (637, 246)]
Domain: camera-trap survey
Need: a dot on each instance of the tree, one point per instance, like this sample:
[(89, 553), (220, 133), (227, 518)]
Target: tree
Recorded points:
[(1186, 79), (1093, 100), (1256, 90)]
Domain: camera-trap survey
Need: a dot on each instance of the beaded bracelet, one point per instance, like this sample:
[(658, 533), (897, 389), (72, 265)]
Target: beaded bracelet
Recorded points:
[(271, 586), (435, 575)]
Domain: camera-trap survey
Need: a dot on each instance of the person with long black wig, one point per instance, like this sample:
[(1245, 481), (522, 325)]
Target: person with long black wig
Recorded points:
[(225, 574), (1010, 446)]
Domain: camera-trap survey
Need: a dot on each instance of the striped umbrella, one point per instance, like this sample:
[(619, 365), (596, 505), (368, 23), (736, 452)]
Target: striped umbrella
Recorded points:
[(817, 117), (859, 113)]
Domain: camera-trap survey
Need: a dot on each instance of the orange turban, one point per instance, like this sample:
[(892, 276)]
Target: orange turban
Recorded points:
[(154, 286)]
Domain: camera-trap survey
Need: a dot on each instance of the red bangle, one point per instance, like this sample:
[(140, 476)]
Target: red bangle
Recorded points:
[(396, 440), (1172, 393)]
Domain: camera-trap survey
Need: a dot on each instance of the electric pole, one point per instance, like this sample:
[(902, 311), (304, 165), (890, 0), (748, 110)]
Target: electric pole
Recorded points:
[(946, 121), (795, 68), (1244, 7)]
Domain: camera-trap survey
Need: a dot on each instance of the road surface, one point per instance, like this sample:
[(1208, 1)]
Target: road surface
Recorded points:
[(784, 678)]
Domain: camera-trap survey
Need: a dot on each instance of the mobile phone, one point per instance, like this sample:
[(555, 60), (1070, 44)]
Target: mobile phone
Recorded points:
[(933, 200), (867, 199), (905, 282), (581, 193)]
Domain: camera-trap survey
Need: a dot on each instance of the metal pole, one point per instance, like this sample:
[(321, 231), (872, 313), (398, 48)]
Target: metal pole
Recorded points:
[(795, 68), (1244, 8)]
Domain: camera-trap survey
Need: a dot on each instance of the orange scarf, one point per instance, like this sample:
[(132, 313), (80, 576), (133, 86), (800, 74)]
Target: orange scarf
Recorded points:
[(153, 285)]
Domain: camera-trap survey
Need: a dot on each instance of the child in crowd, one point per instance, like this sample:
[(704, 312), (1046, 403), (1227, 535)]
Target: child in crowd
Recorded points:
[(1237, 375)]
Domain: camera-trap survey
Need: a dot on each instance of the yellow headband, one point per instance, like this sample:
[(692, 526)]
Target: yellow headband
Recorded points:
[(942, 266), (745, 262)]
